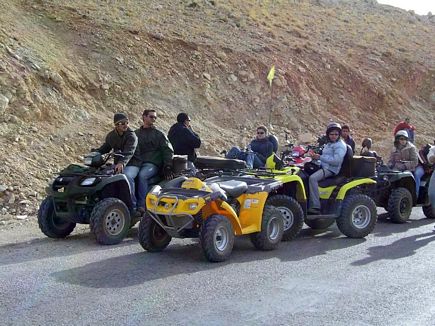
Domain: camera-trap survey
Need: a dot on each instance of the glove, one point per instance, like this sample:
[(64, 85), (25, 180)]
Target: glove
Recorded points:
[(167, 172)]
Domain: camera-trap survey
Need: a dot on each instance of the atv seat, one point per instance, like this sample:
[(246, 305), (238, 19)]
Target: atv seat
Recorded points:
[(233, 188)]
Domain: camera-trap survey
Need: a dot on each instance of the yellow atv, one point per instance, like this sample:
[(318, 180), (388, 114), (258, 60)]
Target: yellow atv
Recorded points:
[(215, 210), (343, 197)]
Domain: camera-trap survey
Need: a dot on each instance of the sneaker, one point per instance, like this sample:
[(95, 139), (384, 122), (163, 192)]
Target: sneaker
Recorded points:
[(313, 211)]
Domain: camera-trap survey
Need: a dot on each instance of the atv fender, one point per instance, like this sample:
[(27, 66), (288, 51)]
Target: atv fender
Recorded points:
[(287, 179), (223, 208), (348, 186)]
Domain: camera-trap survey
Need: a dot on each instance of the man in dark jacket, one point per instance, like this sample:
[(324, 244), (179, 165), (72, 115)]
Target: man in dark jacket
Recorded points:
[(153, 152), (122, 140), (261, 146), (183, 138), (345, 135)]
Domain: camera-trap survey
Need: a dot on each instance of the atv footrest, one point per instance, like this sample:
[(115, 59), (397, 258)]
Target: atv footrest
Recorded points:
[(325, 216)]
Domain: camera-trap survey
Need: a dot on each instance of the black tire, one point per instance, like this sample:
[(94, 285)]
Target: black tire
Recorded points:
[(272, 229), (151, 235), (399, 205), (110, 221), (217, 238), (51, 225), (428, 212), (292, 213), (358, 216), (320, 224)]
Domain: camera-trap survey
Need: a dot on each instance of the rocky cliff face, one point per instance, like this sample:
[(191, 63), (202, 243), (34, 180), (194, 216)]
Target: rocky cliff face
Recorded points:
[(65, 68)]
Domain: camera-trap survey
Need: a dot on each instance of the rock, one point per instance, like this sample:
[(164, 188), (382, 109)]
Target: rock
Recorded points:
[(221, 55), (120, 60), (243, 75), (21, 217), (105, 87), (25, 202), (206, 76), (157, 36), (3, 188), (232, 78), (301, 69), (11, 199), (4, 103)]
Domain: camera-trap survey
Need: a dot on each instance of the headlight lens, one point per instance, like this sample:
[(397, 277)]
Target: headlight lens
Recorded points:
[(156, 190), (193, 206), (88, 182)]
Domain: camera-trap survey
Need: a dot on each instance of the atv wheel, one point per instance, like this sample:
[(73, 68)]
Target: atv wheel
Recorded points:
[(272, 229), (358, 216), (428, 212), (51, 225), (292, 213), (110, 221), (217, 238), (400, 205), (319, 224), (151, 235)]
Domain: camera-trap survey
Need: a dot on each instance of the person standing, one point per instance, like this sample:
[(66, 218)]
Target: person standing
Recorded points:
[(431, 189), (345, 135), (405, 125), (153, 153), (122, 140), (183, 139), (331, 160)]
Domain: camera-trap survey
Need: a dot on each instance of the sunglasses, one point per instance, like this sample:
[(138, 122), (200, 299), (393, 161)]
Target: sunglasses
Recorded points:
[(122, 123), (260, 132)]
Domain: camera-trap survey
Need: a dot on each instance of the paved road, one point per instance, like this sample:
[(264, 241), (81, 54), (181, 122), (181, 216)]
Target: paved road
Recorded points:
[(322, 278)]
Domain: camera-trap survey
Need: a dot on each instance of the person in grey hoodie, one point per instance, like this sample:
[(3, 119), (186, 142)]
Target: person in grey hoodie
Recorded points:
[(331, 159)]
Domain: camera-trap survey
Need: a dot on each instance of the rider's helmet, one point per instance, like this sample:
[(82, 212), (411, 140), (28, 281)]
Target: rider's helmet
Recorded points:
[(333, 126), (401, 133), (367, 143)]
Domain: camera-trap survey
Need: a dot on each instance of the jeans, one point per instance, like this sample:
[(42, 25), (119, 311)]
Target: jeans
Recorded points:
[(145, 172), (251, 159), (431, 191), (418, 173), (314, 186)]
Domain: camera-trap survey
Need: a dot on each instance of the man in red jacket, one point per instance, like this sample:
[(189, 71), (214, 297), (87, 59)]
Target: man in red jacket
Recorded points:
[(404, 125)]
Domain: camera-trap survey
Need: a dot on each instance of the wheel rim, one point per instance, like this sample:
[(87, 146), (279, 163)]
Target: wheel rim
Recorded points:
[(288, 217), (361, 216), (114, 222), (404, 205), (159, 235), (221, 238), (273, 228)]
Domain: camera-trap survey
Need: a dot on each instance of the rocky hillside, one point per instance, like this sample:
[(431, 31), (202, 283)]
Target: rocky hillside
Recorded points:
[(66, 67)]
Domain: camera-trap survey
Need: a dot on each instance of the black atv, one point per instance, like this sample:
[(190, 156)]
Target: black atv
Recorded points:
[(396, 192), (91, 194)]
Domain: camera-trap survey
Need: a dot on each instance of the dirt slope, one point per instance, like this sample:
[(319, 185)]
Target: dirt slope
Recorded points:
[(66, 67)]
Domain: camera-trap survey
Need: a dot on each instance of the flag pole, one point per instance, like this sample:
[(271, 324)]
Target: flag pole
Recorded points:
[(270, 77)]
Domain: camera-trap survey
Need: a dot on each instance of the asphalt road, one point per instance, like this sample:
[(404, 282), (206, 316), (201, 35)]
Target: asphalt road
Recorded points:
[(321, 278)]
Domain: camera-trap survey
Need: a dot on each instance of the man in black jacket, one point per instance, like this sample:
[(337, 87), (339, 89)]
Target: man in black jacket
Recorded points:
[(122, 140), (345, 135), (183, 138)]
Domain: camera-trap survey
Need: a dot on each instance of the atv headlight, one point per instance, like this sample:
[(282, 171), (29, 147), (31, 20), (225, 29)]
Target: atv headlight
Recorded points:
[(193, 206), (88, 160), (88, 182)]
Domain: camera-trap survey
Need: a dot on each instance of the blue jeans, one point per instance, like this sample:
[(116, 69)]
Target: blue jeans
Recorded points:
[(145, 172), (250, 158), (418, 173)]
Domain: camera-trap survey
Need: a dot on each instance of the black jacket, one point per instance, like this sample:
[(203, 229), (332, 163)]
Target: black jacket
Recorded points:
[(349, 141), (184, 141), (153, 147), (263, 148), (125, 144)]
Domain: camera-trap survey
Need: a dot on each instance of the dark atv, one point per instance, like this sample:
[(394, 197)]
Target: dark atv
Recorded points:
[(90, 194), (396, 192)]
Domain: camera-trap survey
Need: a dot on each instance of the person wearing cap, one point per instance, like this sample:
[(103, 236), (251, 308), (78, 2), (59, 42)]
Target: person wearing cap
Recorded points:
[(331, 160), (405, 125), (183, 139), (345, 135), (404, 155), (122, 140), (153, 153)]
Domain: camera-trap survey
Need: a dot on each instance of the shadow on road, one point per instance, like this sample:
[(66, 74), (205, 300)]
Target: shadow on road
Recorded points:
[(385, 227), (137, 268), (42, 248), (401, 248)]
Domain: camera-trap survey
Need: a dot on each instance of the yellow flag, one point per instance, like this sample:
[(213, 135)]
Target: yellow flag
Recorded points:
[(270, 75)]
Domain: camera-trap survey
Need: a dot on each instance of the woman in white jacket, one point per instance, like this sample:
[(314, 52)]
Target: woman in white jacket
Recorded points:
[(331, 159)]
